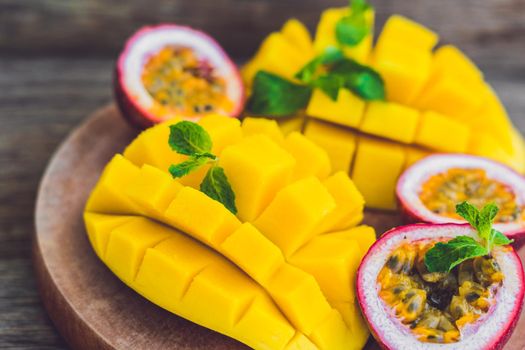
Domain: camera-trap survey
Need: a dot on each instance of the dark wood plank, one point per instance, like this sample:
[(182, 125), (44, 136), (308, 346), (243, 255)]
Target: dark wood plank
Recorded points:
[(492, 32)]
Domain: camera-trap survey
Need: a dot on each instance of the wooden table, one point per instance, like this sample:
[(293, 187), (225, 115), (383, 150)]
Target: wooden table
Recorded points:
[(56, 60)]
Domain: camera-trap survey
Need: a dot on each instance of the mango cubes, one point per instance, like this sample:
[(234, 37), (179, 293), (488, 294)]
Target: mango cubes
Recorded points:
[(272, 276)]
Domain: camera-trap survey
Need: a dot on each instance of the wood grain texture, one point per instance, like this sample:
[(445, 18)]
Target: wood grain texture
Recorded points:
[(492, 31)]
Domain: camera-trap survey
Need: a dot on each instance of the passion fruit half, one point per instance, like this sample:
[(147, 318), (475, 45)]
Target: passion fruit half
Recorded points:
[(168, 71), (429, 190), (474, 306)]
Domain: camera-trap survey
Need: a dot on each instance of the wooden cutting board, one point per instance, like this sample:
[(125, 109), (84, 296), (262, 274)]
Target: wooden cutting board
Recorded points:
[(90, 307)]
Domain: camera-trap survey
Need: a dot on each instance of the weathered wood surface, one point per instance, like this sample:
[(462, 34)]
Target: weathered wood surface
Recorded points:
[(492, 31), (47, 86)]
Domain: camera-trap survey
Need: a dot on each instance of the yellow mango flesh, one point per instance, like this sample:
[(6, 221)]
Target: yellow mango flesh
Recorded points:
[(310, 159), (268, 127), (298, 210), (353, 317), (391, 120), (256, 168), (338, 143), (347, 110), (271, 304), (378, 187), (298, 35), (364, 235), (437, 131), (403, 30), (333, 262)]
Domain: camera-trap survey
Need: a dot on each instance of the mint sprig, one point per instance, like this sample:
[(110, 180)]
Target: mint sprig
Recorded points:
[(353, 28), (192, 140), (443, 257), (276, 96)]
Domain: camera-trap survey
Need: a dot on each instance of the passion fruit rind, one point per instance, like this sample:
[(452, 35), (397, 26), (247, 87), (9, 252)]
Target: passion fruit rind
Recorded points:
[(413, 208), (131, 100), (482, 311)]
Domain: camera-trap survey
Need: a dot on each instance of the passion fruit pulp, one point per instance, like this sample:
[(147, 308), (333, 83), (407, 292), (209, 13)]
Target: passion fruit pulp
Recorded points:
[(475, 306), (168, 71), (430, 189)]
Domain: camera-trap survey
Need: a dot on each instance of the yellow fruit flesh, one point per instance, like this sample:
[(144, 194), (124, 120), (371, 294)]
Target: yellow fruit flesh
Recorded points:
[(141, 251), (442, 192), (347, 110)]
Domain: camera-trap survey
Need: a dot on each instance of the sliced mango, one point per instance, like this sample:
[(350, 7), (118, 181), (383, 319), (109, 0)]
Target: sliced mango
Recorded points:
[(333, 262), (260, 263), (310, 159), (128, 243), (291, 124), (364, 235), (300, 342), (442, 133), (256, 168), (449, 60), (354, 319), (347, 110), (99, 227), (391, 120), (222, 131), (107, 196), (268, 127), (414, 154), (298, 209), (332, 333), (190, 206), (378, 186), (298, 34), (339, 144), (403, 30)]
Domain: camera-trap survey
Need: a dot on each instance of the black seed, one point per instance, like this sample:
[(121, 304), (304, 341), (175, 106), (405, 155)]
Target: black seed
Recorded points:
[(208, 108), (473, 296), (393, 262), (431, 336), (412, 306)]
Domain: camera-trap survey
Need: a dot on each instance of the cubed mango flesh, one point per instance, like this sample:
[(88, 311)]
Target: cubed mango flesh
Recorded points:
[(347, 110), (291, 124), (107, 197), (333, 333), (352, 316), (387, 161), (293, 216), (415, 154), (390, 120), (128, 243), (442, 133), (333, 262), (153, 190), (399, 29), (299, 297), (300, 342), (268, 127), (99, 227), (310, 159), (349, 202), (449, 60), (297, 34), (222, 131), (249, 249), (200, 216), (338, 143), (256, 168), (364, 235)]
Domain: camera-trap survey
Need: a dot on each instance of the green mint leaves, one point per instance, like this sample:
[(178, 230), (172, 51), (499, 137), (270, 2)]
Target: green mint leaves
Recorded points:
[(192, 140), (352, 29), (330, 71), (443, 257), (276, 96), (214, 185)]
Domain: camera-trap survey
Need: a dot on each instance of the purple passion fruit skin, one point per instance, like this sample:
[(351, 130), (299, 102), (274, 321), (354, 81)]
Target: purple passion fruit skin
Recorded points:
[(171, 71), (407, 306), (429, 190)]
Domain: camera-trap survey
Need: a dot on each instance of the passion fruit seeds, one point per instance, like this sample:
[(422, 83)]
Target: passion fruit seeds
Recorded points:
[(442, 191)]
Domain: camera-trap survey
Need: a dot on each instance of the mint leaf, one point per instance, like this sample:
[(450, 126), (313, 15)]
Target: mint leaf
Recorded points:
[(329, 84), (499, 238), (275, 96), (485, 220), (216, 186), (186, 167), (205, 155), (443, 257), (468, 212), (189, 138), (352, 29), (331, 55), (360, 79)]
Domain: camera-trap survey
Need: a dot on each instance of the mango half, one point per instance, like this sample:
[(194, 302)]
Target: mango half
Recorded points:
[(278, 275), (437, 102)]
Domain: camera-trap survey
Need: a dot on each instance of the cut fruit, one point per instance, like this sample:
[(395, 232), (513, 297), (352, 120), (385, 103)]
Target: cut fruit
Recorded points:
[(430, 189), (484, 300), (168, 71)]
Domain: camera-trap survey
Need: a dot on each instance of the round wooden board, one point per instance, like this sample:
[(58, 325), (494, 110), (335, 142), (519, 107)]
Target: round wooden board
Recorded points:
[(90, 307)]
